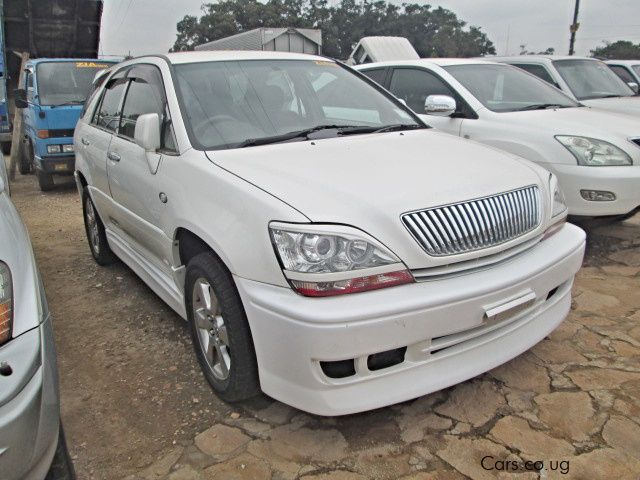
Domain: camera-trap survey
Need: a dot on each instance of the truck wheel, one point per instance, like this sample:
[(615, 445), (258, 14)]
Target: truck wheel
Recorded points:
[(220, 330), (95, 231), (6, 148), (45, 180), (62, 466), (27, 161)]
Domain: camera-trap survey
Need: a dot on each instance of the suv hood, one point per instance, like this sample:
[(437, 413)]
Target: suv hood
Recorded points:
[(586, 121), (368, 181), (628, 105)]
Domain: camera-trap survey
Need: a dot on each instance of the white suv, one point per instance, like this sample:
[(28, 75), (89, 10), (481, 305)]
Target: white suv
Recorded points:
[(588, 80), (323, 243), (595, 154)]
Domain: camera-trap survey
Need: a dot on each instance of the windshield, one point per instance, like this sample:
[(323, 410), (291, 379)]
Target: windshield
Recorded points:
[(589, 79), (64, 83), (236, 103), (503, 88)]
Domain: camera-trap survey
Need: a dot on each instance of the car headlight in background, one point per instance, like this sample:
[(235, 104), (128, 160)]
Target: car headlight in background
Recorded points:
[(67, 148), (593, 152), (6, 303), (319, 261), (53, 149)]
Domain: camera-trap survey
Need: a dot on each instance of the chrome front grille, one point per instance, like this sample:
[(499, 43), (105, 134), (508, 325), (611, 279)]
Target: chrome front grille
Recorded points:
[(476, 224)]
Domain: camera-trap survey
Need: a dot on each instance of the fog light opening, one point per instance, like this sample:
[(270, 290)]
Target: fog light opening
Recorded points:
[(386, 359), (598, 195), (339, 369)]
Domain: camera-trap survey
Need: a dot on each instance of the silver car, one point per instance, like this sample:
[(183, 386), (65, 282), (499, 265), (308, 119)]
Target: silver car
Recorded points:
[(32, 444)]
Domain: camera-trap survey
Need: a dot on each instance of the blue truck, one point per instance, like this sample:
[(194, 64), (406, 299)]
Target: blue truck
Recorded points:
[(51, 96), (68, 30)]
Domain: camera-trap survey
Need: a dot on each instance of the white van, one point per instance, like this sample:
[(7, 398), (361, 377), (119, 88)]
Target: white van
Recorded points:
[(382, 49)]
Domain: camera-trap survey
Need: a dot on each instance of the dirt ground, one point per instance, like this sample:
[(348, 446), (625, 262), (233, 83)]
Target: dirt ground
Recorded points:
[(134, 404)]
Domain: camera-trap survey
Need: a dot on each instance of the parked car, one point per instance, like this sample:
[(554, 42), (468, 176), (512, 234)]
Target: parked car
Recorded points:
[(627, 70), (595, 154), (32, 444), (322, 242), (52, 96), (588, 80)]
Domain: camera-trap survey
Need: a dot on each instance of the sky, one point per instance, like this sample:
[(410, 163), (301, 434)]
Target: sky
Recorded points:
[(149, 26)]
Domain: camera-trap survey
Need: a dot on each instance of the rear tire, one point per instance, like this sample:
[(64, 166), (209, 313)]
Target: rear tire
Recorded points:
[(220, 332), (45, 180), (27, 160), (62, 466), (94, 229)]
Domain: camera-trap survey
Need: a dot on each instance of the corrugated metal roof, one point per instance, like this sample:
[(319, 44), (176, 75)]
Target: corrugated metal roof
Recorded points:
[(258, 37)]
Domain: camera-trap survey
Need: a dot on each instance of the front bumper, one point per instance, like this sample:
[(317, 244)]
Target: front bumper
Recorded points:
[(62, 164), (30, 412), (293, 334), (624, 182)]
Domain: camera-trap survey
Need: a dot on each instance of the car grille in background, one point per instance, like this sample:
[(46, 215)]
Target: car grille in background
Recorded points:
[(476, 224), (61, 133)]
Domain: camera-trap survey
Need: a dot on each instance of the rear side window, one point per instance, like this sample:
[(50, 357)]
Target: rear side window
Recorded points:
[(623, 73), (537, 70), (108, 115), (376, 74)]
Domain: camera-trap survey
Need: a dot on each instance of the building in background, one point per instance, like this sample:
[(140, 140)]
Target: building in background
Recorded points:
[(298, 40)]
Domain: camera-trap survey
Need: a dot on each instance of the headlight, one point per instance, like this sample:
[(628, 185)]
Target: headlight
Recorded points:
[(67, 148), (6, 303), (319, 261), (593, 152), (53, 148)]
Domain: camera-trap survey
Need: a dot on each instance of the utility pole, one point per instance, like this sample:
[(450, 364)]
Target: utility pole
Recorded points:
[(574, 28)]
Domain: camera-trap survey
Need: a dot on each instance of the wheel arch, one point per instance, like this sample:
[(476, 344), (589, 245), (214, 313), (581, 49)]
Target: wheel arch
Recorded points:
[(187, 244)]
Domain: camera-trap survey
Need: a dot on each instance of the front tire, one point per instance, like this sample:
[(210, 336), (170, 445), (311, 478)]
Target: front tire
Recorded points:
[(45, 180), (62, 466), (220, 330), (96, 235), (27, 160)]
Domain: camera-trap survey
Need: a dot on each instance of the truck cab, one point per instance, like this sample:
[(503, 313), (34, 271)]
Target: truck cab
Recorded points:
[(52, 95)]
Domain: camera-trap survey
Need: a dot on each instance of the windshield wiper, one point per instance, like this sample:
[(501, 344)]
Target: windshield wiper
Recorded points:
[(70, 102), (252, 142), (340, 129), (540, 106)]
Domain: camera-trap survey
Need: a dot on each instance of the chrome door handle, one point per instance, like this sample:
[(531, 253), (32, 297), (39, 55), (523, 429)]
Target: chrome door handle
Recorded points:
[(113, 156), (85, 141)]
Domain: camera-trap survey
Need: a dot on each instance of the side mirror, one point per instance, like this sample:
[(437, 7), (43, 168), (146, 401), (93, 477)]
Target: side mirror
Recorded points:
[(402, 101), (20, 96), (439, 105), (633, 86), (147, 132)]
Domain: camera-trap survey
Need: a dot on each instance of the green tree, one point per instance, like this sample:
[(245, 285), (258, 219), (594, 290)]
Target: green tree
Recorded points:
[(433, 32), (620, 50)]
